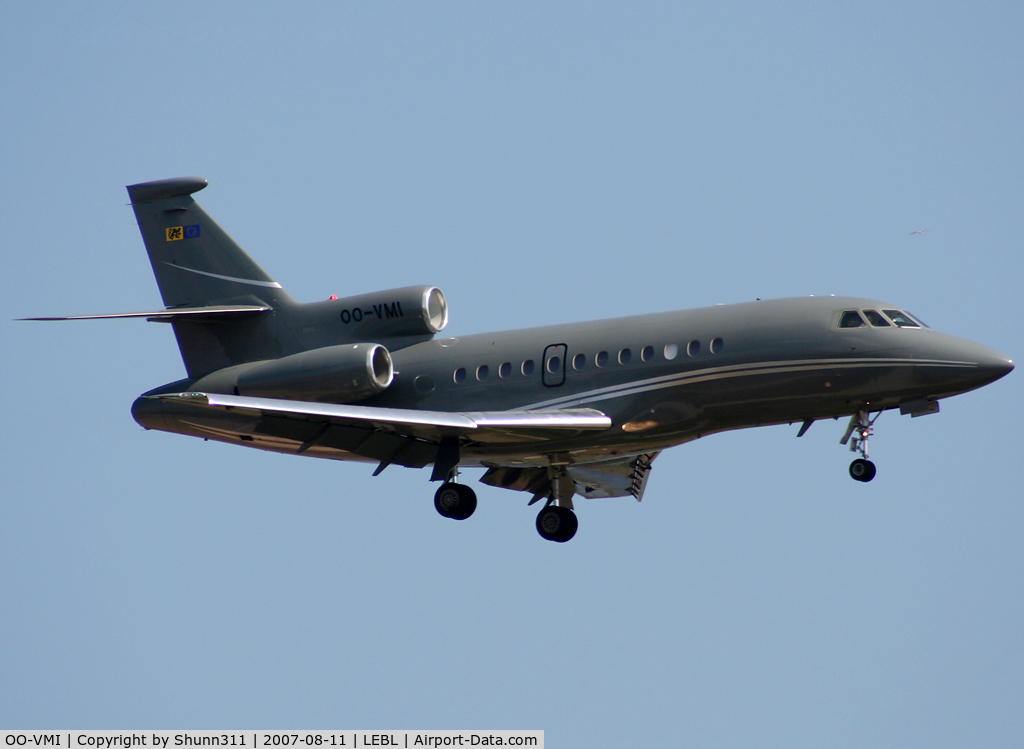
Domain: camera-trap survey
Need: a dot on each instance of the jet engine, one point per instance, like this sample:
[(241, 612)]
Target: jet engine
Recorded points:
[(335, 374), (414, 310)]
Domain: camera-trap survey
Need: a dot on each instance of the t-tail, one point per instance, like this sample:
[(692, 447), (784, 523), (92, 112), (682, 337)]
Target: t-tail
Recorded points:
[(198, 265), (228, 313), (196, 262)]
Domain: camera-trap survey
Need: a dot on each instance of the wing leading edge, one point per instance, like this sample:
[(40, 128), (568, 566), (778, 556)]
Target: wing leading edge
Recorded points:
[(167, 315), (417, 423), (388, 435)]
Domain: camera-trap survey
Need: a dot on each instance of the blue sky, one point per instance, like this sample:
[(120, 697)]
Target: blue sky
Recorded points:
[(540, 164)]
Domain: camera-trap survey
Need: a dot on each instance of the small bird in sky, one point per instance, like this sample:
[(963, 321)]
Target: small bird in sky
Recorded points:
[(919, 231)]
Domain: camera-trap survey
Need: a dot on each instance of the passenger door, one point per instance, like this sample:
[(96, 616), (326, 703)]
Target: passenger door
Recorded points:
[(553, 372)]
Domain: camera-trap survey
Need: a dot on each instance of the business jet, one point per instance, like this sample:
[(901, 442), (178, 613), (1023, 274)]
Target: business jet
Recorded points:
[(558, 412)]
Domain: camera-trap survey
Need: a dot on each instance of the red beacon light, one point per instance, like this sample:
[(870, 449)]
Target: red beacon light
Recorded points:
[(333, 298)]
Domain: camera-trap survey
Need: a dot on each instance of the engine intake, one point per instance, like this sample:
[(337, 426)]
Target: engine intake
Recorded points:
[(414, 310)]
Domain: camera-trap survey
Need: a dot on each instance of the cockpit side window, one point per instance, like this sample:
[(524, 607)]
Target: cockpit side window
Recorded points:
[(917, 319), (900, 318), (851, 319), (875, 318)]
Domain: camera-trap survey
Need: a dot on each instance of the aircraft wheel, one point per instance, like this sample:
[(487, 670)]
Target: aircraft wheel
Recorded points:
[(557, 524), (862, 470), (455, 501), (871, 471)]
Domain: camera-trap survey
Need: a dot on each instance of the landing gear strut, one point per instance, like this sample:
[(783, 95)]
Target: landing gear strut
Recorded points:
[(456, 501), (860, 429)]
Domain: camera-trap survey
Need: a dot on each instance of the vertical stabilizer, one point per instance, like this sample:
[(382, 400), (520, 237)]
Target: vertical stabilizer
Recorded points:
[(196, 263)]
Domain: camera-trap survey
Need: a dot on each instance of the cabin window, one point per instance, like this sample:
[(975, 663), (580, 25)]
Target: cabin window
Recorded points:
[(625, 356), (554, 365), (579, 361), (528, 367), (601, 359), (647, 353), (671, 351), (482, 371), (693, 348), (505, 370), (717, 345), (851, 319), (460, 374), (424, 384), (900, 318)]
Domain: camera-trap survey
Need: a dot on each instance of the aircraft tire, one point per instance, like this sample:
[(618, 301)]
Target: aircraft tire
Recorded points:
[(862, 470), (558, 524), (455, 501), (871, 471)]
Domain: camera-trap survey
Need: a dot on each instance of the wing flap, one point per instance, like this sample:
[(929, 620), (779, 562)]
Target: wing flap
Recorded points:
[(626, 478), (622, 477)]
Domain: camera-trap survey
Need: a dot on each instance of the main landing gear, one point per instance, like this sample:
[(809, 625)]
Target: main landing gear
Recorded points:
[(556, 521), (455, 501), (860, 429), (557, 524)]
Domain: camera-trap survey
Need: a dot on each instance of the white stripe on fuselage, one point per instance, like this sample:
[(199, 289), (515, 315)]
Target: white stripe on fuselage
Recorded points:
[(735, 370)]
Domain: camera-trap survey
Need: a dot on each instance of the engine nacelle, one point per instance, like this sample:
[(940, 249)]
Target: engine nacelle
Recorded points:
[(414, 310), (335, 374)]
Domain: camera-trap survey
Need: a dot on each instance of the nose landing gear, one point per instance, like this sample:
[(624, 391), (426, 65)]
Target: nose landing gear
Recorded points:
[(860, 429), (862, 470)]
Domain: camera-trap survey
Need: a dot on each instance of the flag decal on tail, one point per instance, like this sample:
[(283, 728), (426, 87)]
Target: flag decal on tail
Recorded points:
[(174, 233)]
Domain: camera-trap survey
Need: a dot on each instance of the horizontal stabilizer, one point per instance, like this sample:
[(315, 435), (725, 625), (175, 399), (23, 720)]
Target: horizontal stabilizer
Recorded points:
[(167, 315), (162, 189), (480, 426)]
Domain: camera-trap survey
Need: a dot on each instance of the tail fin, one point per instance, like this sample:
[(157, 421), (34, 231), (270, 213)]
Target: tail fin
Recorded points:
[(197, 264)]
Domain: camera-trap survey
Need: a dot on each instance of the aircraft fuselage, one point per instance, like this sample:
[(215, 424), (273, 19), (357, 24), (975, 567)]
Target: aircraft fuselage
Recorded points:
[(665, 378)]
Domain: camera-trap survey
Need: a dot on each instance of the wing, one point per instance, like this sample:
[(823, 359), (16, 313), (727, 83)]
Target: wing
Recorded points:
[(389, 435)]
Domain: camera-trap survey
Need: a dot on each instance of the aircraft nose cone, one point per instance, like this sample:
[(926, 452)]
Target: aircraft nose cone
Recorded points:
[(998, 367), (992, 365)]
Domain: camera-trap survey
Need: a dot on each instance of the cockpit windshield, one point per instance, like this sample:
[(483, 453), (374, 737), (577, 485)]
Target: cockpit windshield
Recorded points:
[(852, 318), (875, 318), (902, 319)]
